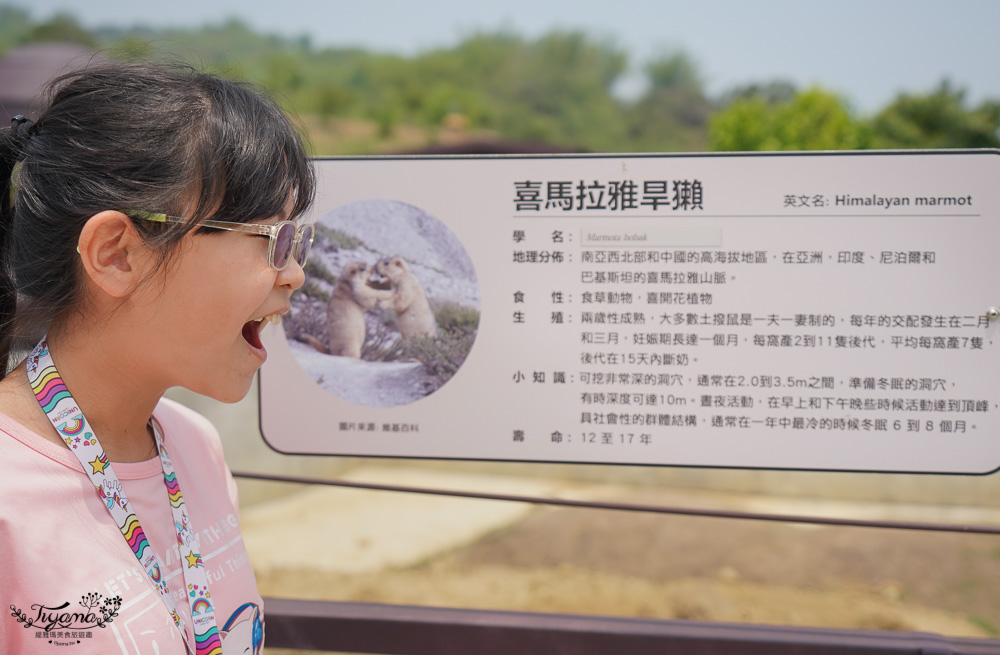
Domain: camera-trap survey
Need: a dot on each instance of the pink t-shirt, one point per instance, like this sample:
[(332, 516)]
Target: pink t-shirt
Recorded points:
[(60, 548)]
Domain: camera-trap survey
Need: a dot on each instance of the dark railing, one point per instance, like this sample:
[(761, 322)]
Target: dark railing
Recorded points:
[(633, 507), (409, 630)]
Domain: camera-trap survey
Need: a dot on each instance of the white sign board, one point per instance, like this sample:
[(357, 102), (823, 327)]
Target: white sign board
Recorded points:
[(797, 311)]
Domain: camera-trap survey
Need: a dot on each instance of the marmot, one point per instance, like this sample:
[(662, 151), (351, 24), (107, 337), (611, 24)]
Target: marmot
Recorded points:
[(345, 315), (414, 316)]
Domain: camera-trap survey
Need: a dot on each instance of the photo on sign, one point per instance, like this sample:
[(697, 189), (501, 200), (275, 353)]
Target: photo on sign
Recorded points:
[(390, 306)]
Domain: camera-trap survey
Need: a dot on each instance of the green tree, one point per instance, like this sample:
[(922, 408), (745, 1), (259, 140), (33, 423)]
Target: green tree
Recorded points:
[(937, 120), (673, 112), (331, 99), (132, 49), (282, 72), (581, 79), (746, 124), (556, 89), (15, 23), (812, 120), (772, 93), (61, 27)]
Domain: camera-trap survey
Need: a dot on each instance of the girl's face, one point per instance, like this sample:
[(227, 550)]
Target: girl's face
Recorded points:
[(204, 314)]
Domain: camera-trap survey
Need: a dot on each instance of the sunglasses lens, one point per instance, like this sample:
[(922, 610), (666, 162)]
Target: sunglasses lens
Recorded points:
[(303, 253), (283, 245)]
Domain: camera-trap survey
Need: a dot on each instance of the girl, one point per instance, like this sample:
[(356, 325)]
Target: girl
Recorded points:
[(147, 235)]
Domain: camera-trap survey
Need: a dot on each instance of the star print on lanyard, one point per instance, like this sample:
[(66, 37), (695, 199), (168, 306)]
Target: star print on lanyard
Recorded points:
[(58, 404)]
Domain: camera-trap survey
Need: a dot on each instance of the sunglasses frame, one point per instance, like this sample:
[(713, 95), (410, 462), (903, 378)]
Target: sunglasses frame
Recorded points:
[(271, 231)]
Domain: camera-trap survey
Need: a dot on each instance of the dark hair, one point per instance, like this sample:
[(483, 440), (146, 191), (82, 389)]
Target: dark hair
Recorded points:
[(152, 137)]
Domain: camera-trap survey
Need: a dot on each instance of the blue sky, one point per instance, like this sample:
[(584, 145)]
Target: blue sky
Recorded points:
[(865, 50)]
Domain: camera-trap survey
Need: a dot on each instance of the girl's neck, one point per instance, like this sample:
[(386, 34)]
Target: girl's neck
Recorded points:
[(110, 390)]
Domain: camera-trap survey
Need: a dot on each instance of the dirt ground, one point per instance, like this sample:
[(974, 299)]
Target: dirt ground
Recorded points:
[(569, 560)]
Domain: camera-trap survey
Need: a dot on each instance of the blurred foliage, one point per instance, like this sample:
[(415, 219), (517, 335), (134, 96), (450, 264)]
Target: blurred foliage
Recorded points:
[(61, 27), (382, 340), (937, 120), (325, 237), (453, 316), (311, 289), (672, 113), (15, 24), (314, 269), (772, 93), (442, 355), (18, 28), (810, 120), (775, 117), (557, 90)]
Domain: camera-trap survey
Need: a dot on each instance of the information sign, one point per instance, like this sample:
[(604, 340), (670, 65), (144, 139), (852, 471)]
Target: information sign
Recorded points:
[(798, 311)]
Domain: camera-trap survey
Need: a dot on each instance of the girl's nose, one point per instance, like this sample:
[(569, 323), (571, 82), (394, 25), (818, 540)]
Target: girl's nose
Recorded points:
[(292, 276)]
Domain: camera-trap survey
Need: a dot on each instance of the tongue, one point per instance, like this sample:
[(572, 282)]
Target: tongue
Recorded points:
[(252, 335)]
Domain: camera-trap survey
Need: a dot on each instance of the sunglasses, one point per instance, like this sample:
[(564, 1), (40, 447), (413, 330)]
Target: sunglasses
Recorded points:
[(286, 240)]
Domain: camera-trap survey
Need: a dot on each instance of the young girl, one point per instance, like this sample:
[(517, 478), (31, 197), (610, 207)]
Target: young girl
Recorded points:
[(147, 236)]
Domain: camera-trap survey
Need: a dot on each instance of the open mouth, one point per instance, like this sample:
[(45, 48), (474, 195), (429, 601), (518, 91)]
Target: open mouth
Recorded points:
[(378, 281), (251, 330)]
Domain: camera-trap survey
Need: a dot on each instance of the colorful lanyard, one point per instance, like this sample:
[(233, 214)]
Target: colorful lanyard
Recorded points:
[(68, 419)]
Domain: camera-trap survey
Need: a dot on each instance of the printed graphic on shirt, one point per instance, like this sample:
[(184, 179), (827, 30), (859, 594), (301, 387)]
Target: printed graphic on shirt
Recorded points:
[(145, 628), (244, 631), (223, 561)]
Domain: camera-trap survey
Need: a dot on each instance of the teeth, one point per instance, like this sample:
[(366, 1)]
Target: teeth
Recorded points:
[(273, 319)]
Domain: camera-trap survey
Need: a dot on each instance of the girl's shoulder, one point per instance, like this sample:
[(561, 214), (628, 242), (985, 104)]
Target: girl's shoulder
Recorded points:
[(23, 450)]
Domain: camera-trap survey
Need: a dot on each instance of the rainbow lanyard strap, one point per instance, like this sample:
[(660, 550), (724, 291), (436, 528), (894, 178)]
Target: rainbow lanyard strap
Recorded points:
[(69, 421)]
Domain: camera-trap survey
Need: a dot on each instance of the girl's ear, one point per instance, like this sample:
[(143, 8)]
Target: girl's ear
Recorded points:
[(114, 257)]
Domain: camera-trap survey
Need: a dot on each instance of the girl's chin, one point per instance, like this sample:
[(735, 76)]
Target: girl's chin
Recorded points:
[(231, 388), (228, 396)]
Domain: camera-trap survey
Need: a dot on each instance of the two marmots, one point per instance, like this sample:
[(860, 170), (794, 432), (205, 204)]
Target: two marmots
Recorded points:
[(355, 293)]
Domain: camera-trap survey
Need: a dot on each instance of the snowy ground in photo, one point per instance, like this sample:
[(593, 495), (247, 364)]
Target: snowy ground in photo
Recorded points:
[(372, 384)]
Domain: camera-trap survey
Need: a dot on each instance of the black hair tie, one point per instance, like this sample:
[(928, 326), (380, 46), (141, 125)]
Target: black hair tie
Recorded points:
[(21, 131)]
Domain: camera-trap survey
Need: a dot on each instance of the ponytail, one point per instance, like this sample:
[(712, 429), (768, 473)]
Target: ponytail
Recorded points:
[(13, 142)]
